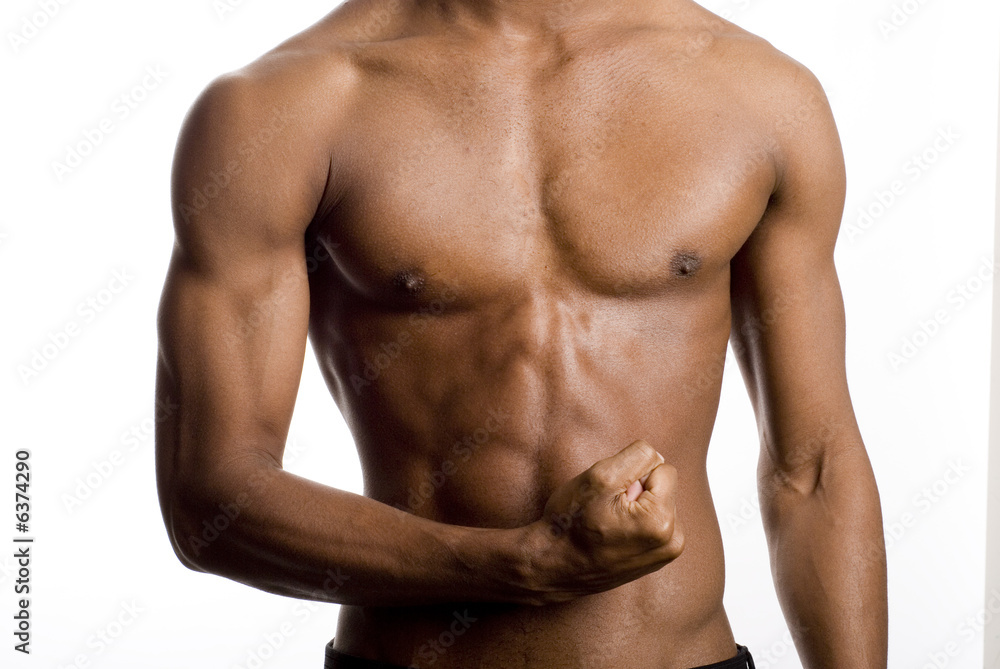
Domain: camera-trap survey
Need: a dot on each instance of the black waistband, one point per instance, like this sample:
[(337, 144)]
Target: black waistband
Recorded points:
[(338, 660)]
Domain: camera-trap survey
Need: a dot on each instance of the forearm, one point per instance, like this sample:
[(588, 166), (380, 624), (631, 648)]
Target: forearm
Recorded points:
[(288, 535), (828, 561)]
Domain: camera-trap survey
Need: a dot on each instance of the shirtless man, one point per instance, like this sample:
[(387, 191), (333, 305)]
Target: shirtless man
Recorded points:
[(520, 236)]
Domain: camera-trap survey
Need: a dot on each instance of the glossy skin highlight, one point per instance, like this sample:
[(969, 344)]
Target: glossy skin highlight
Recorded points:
[(519, 237)]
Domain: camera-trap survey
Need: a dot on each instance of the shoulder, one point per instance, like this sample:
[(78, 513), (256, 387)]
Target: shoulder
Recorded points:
[(261, 135), (776, 85), (785, 91), (281, 88), (285, 111), (305, 85), (742, 69), (783, 99)]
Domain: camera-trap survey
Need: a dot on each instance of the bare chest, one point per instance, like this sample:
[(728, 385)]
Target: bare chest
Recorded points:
[(609, 186)]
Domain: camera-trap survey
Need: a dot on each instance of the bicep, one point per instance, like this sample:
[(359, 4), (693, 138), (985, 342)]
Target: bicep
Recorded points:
[(788, 314), (231, 352), (233, 315)]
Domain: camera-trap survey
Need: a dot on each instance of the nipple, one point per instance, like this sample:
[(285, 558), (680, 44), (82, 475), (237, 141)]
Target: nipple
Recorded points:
[(409, 282), (685, 264)]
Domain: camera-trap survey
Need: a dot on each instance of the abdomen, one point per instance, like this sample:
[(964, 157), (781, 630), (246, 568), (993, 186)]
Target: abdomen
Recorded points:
[(489, 405)]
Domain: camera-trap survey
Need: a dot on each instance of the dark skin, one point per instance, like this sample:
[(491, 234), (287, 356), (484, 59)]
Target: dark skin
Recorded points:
[(519, 236)]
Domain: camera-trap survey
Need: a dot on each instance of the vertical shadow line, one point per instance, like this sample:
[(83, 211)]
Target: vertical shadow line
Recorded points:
[(991, 596)]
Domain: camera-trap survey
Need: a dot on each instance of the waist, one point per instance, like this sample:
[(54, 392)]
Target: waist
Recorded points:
[(674, 615), (648, 623)]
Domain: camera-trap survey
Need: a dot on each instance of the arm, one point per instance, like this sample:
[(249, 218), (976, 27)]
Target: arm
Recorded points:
[(819, 501), (233, 323)]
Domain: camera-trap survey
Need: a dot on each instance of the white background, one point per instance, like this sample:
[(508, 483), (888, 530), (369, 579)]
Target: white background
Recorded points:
[(64, 236)]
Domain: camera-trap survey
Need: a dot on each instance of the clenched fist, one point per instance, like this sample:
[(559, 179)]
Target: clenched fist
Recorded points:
[(607, 526)]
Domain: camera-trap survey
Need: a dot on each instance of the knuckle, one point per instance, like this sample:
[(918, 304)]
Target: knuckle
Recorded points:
[(670, 549), (658, 530), (669, 475), (667, 527), (678, 543), (598, 476), (646, 449)]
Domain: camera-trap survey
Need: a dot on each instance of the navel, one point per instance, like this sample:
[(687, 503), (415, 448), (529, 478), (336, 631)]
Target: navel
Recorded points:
[(685, 263)]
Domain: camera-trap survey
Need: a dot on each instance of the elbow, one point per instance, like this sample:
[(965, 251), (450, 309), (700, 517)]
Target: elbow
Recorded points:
[(184, 540), (185, 558), (178, 509), (837, 479), (199, 527), (806, 464), (777, 480), (207, 511)]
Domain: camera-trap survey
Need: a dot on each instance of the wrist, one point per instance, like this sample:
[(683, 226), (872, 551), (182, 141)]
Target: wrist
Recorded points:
[(537, 564)]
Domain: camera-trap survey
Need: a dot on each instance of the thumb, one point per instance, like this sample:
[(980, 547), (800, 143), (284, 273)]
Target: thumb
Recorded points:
[(631, 464)]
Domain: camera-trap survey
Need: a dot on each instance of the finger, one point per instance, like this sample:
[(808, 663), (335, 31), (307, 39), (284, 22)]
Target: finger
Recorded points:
[(661, 484), (675, 546), (635, 488), (630, 464)]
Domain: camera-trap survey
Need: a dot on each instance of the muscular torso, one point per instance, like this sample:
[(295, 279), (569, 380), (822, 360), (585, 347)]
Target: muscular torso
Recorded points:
[(530, 244)]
